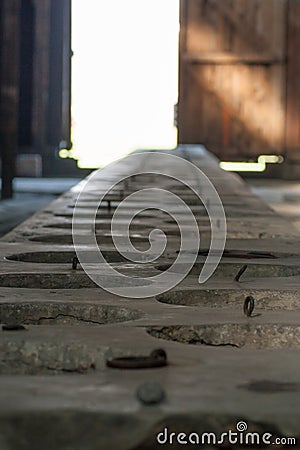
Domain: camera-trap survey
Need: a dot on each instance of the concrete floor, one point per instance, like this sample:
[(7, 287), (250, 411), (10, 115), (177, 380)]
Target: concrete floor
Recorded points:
[(224, 367), (281, 195), (30, 195)]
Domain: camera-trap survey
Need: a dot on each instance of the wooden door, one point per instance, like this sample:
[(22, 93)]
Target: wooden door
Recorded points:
[(233, 76)]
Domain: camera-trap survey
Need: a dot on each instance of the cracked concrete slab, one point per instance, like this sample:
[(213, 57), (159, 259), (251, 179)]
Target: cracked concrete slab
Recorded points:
[(223, 367)]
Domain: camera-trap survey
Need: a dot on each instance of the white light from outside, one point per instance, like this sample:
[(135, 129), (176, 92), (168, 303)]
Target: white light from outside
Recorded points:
[(125, 77)]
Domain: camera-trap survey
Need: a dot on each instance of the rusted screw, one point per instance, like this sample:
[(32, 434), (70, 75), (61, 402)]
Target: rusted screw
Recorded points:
[(75, 263), (240, 273), (248, 306), (150, 393), (13, 327)]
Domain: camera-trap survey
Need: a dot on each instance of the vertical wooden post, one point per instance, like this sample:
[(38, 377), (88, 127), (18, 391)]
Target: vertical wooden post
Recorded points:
[(66, 75), (181, 119), (40, 75), (9, 92)]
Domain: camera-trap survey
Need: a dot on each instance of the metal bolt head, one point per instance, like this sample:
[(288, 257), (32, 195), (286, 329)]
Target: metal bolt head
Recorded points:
[(150, 393)]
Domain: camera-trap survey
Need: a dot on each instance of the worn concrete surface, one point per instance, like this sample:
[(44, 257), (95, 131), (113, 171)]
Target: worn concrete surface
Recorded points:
[(282, 195), (223, 367), (30, 195)]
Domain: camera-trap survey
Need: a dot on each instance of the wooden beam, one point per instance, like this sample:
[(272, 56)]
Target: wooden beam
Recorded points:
[(231, 58), (9, 92)]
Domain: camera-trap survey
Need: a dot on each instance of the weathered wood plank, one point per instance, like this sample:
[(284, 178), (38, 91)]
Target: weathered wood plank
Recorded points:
[(228, 108), (232, 57), (237, 26)]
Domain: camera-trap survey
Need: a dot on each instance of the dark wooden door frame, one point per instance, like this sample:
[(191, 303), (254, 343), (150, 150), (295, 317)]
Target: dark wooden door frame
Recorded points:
[(9, 92)]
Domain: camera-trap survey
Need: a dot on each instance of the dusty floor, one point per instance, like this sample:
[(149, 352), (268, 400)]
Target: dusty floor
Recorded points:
[(223, 367)]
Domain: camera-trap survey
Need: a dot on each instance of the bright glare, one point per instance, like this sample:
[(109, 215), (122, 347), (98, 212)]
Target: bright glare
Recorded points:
[(243, 166), (125, 77), (259, 166)]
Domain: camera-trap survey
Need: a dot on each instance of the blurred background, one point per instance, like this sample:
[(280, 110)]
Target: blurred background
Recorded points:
[(83, 83)]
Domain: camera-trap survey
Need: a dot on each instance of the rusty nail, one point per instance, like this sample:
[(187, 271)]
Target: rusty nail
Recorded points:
[(75, 263), (248, 306), (13, 327), (150, 393), (240, 273)]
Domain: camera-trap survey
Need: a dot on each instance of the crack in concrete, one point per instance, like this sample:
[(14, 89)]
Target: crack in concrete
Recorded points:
[(211, 344), (71, 316)]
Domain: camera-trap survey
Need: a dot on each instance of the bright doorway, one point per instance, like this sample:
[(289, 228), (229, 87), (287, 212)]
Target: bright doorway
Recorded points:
[(125, 77)]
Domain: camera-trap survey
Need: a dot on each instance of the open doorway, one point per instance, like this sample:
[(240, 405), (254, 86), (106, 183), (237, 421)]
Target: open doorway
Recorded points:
[(125, 77)]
